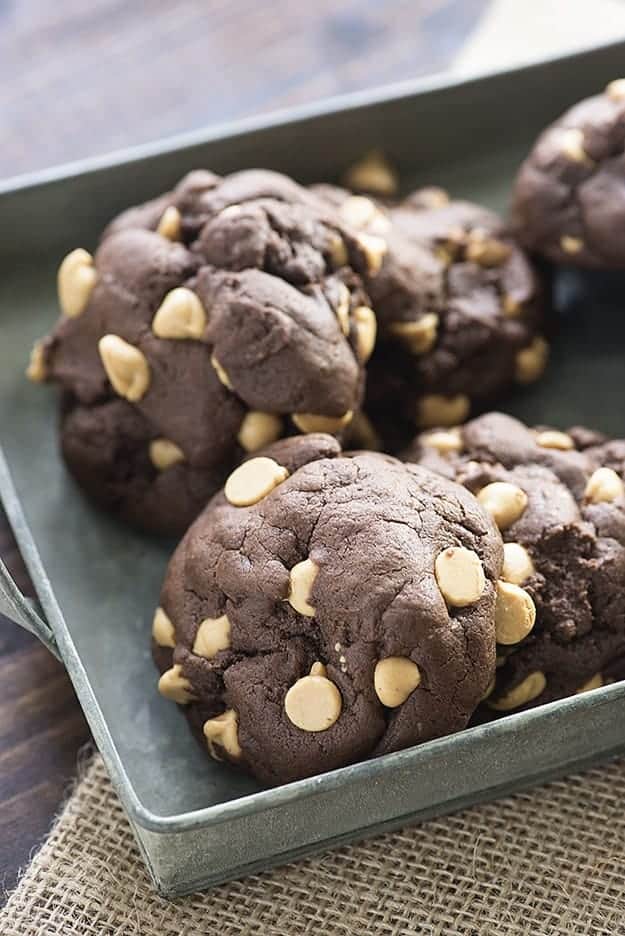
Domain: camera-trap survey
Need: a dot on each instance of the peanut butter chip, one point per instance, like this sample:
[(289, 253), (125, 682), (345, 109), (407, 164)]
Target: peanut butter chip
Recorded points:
[(571, 245), (373, 173), (170, 225), (505, 502), (312, 422), (604, 486), (517, 564), (433, 197), (173, 685), (457, 237), (572, 145), (395, 678), (163, 630), (36, 370), (181, 315), (259, 429), (358, 211), (374, 248), (531, 687), (553, 439), (444, 441), (165, 454), (338, 252), (361, 214), (417, 336), (515, 613), (460, 576), (75, 281), (212, 635), (486, 251), (313, 703), (531, 361), (253, 480), (126, 367), (437, 410), (223, 732), (595, 682), (511, 307), (301, 580), (221, 373), (616, 89), (342, 308), (446, 255), (366, 331)]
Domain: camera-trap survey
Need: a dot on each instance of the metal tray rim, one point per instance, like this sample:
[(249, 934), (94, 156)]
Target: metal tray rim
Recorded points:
[(335, 104)]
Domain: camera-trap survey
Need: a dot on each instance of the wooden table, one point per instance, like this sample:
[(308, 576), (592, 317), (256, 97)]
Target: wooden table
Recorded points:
[(79, 79)]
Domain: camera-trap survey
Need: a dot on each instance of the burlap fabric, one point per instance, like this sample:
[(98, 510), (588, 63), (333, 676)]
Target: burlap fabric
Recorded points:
[(543, 863)]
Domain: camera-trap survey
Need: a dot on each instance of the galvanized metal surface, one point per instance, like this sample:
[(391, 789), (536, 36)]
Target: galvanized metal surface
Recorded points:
[(198, 822)]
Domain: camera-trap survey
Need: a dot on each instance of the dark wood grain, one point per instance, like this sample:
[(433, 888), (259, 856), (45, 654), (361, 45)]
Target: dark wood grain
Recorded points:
[(82, 78), (78, 79), (41, 731)]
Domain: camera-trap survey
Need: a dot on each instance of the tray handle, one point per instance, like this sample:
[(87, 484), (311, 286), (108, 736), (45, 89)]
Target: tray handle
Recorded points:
[(24, 611)]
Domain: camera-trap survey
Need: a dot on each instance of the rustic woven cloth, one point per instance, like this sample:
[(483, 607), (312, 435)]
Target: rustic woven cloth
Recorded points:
[(543, 863)]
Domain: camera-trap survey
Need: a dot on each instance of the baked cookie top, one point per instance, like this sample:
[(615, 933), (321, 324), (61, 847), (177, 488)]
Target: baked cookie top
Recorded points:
[(226, 313), (569, 200), (328, 607), (558, 499), (458, 303)]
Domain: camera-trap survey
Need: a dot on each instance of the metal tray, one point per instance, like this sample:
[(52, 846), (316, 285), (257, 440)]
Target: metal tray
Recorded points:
[(197, 822)]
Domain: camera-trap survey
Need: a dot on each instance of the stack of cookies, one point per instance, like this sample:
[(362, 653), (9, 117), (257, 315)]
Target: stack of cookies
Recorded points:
[(558, 501), (235, 361)]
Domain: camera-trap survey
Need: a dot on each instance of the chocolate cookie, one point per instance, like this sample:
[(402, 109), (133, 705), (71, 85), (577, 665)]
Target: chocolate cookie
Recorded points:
[(326, 607), (210, 322), (558, 499), (458, 303), (569, 195)]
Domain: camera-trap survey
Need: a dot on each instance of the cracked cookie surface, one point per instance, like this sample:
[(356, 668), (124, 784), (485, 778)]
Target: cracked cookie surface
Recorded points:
[(210, 322), (326, 607), (558, 499), (458, 303), (568, 200)]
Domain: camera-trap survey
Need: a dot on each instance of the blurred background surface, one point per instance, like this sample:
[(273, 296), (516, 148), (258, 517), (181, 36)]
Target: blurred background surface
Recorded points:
[(79, 79)]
